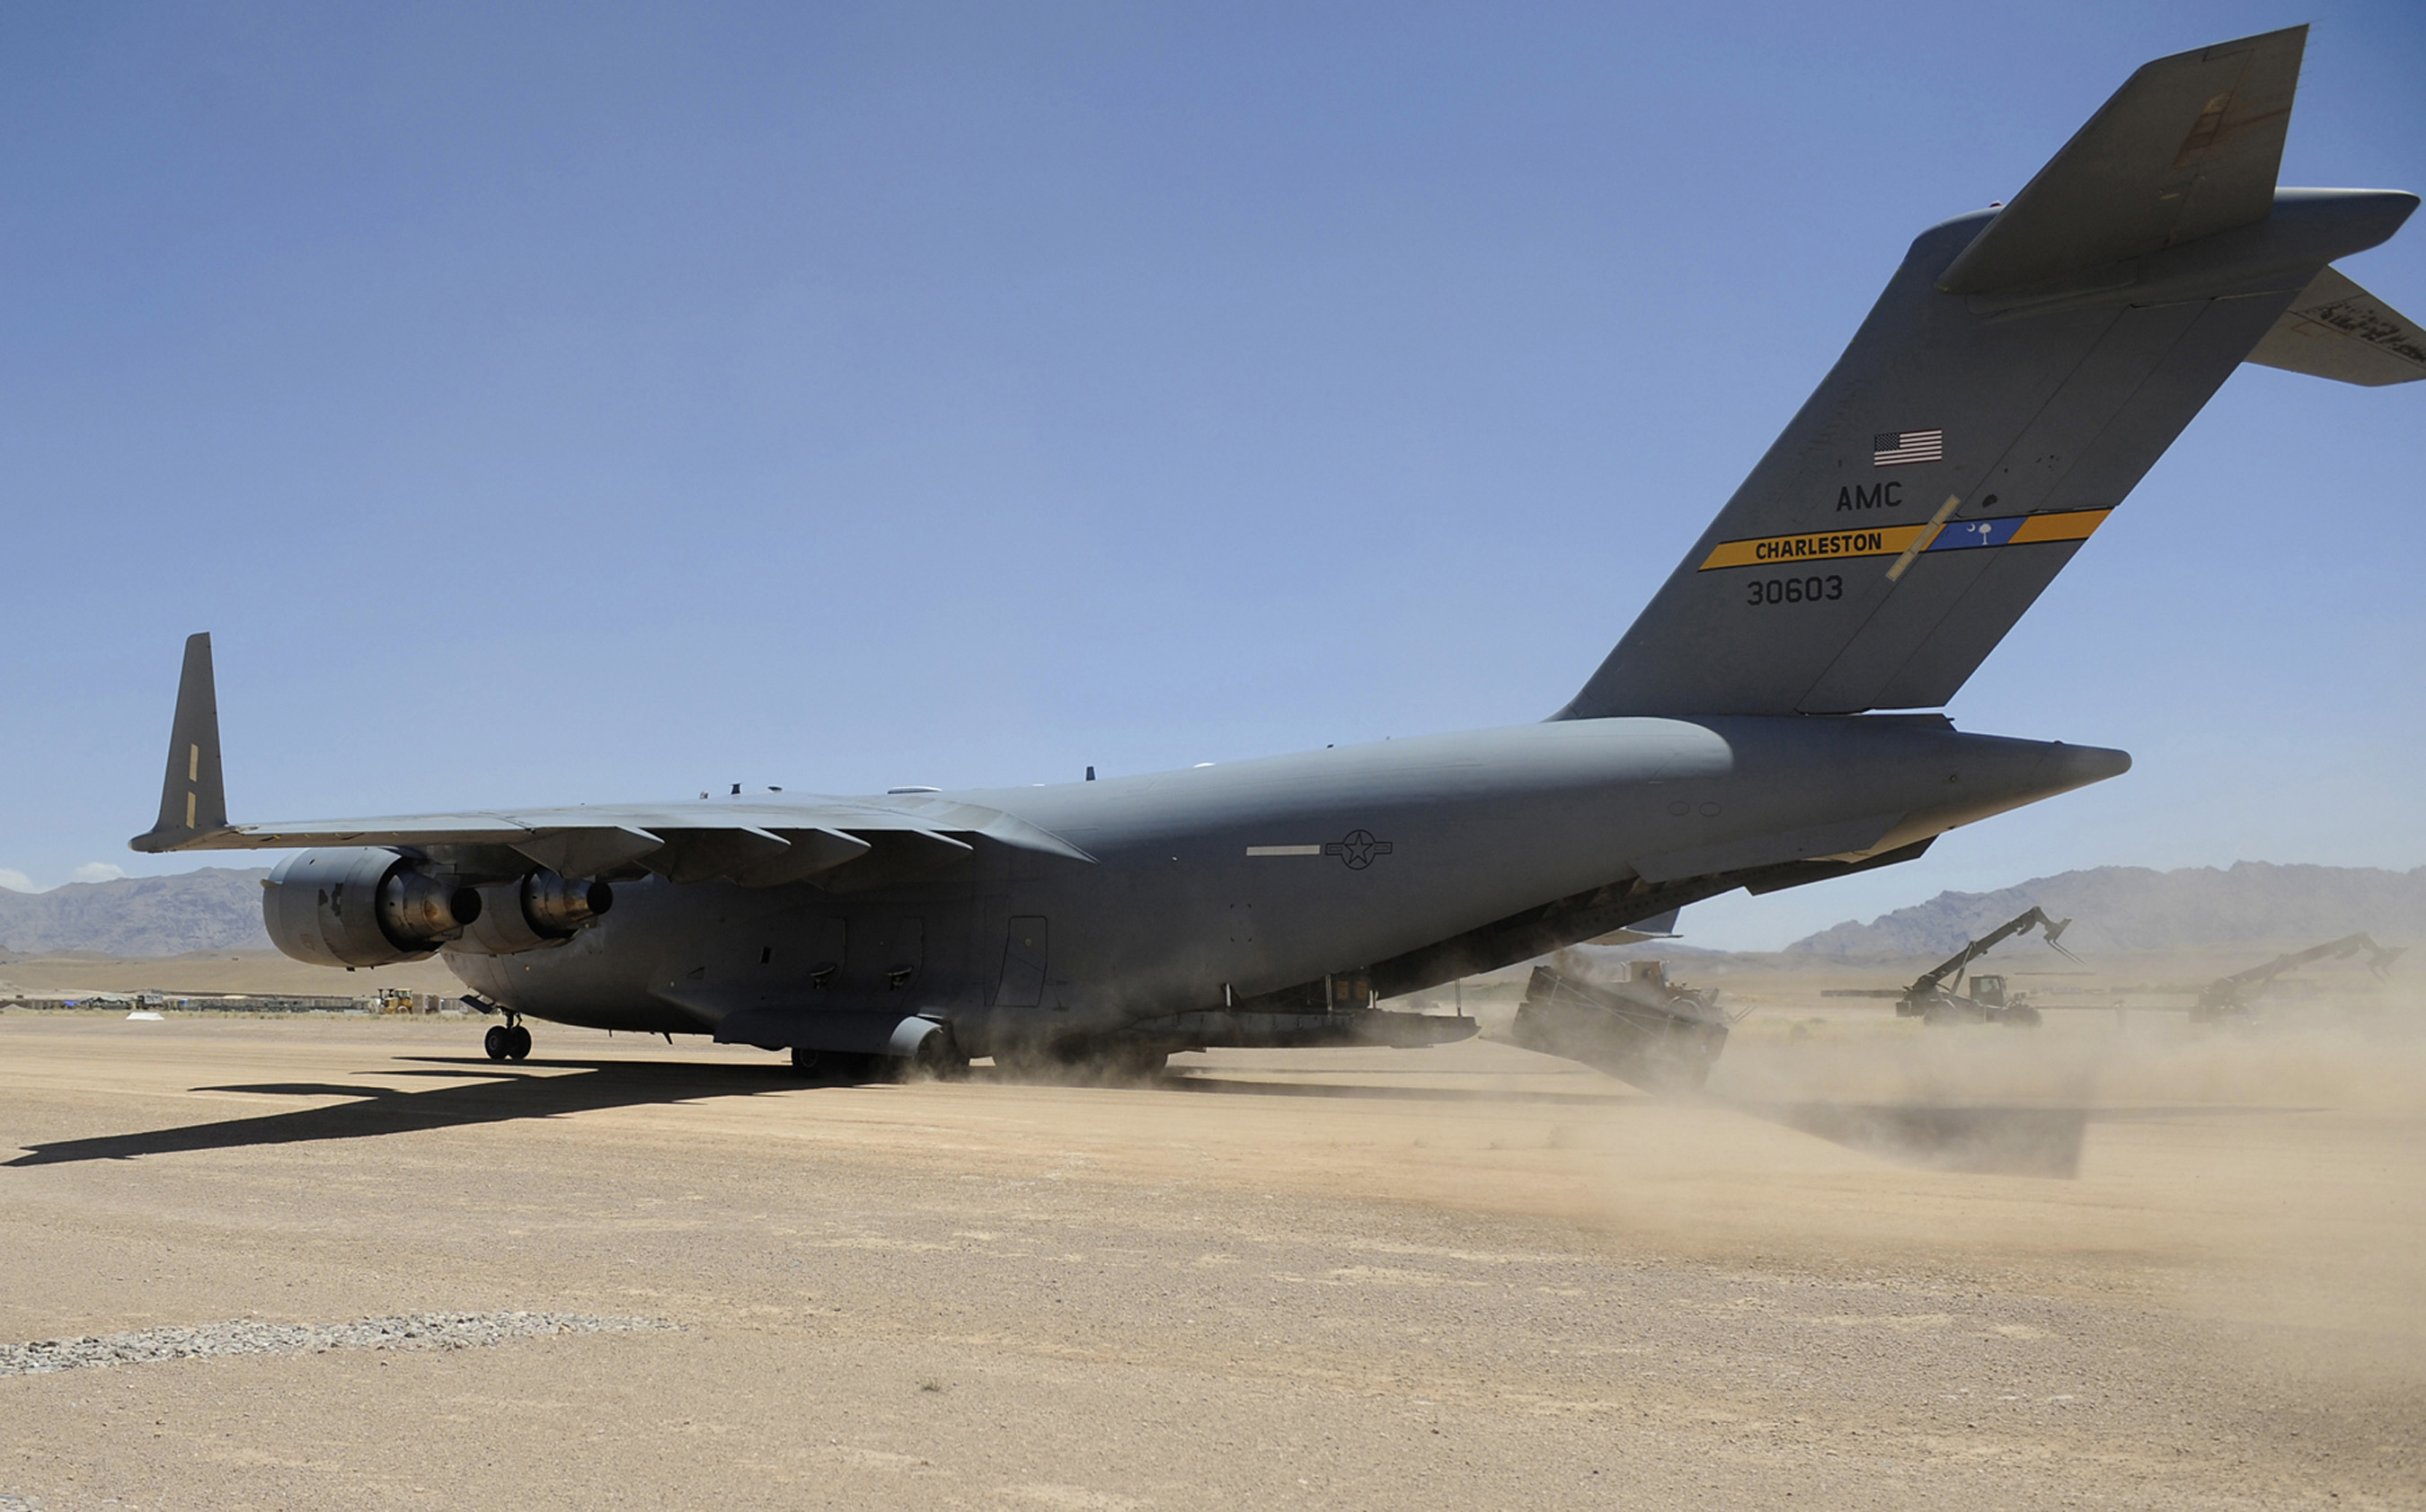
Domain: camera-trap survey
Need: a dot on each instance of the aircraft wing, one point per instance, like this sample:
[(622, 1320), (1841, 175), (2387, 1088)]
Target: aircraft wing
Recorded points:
[(759, 844), (755, 842)]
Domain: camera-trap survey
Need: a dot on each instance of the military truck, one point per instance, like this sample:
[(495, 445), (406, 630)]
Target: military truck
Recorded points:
[(1639, 1027)]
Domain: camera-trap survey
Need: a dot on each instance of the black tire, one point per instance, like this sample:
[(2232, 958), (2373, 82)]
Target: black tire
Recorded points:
[(2021, 1016), (938, 1059), (498, 1042), (521, 1048)]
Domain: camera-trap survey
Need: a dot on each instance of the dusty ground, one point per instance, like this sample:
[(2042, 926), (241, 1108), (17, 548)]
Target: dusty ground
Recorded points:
[(1463, 1278)]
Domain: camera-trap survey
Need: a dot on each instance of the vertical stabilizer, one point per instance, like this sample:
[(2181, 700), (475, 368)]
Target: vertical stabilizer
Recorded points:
[(2025, 367), (193, 797)]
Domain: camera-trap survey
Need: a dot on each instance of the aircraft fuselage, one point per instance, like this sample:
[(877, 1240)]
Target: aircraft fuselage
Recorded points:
[(1230, 883)]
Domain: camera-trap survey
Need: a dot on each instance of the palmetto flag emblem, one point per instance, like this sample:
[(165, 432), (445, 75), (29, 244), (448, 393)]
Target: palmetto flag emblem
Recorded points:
[(1893, 448)]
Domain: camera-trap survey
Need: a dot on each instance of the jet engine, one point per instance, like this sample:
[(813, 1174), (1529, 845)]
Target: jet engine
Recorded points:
[(543, 909), (362, 907)]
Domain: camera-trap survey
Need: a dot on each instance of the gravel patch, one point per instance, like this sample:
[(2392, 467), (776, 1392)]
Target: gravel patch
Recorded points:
[(411, 1330)]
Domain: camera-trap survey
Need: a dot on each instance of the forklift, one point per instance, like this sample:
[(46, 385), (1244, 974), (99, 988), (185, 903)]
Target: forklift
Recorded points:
[(1937, 997)]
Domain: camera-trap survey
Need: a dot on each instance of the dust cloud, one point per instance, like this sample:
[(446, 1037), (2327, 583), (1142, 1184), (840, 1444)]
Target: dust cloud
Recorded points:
[(2271, 1172)]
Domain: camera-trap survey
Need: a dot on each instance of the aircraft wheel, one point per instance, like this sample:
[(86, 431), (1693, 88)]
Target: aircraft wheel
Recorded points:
[(937, 1059), (498, 1042), (521, 1047)]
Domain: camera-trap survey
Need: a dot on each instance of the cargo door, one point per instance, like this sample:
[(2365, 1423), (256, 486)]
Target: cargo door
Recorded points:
[(1022, 983)]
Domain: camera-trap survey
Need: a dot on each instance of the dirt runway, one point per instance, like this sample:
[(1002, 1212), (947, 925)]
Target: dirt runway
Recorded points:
[(625, 1274)]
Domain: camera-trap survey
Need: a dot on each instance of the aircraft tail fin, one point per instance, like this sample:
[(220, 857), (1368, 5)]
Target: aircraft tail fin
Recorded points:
[(2022, 371), (193, 796)]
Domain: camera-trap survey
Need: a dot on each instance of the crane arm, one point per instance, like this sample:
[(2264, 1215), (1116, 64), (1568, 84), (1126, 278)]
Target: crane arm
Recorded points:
[(2243, 985), (2023, 924)]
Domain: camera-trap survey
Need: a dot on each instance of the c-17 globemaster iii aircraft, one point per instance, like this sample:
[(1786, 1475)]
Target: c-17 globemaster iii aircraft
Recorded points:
[(1762, 725)]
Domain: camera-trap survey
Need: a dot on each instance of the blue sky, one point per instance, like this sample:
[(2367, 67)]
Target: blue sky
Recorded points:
[(557, 404)]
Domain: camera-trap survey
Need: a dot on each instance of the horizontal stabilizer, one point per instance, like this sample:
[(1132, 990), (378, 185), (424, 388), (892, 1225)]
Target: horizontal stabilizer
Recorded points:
[(2188, 147), (2336, 329)]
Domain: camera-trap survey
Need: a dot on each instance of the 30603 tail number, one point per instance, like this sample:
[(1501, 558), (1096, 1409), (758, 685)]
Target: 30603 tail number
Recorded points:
[(1766, 590)]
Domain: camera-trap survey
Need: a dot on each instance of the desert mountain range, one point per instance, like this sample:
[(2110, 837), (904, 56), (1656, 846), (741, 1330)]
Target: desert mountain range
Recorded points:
[(218, 908), (2132, 908)]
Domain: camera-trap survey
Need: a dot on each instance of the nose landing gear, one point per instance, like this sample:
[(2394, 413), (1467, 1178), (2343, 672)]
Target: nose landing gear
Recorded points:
[(507, 1041)]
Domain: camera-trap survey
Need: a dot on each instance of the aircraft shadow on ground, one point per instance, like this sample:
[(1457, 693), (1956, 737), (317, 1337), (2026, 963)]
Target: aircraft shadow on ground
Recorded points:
[(1980, 1141), (479, 1093), (1974, 1140), (1985, 1141), (2003, 1141), (1240, 1086)]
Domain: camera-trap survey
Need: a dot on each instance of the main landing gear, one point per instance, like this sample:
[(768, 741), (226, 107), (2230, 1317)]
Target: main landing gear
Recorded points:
[(507, 1041)]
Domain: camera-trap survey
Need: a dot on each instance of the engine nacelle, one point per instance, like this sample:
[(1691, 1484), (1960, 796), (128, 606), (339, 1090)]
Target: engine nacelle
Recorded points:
[(543, 909), (362, 907)]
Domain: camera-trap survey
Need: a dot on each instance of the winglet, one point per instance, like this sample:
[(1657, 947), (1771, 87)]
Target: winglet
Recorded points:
[(193, 797)]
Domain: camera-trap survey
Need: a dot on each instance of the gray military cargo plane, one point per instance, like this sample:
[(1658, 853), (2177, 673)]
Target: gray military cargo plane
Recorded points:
[(1762, 725)]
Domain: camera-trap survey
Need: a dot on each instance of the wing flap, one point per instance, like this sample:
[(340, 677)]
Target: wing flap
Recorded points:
[(807, 853), (588, 852), (704, 855)]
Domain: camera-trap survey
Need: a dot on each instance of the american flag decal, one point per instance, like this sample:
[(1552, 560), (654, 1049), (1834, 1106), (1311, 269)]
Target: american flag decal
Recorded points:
[(1893, 448)]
